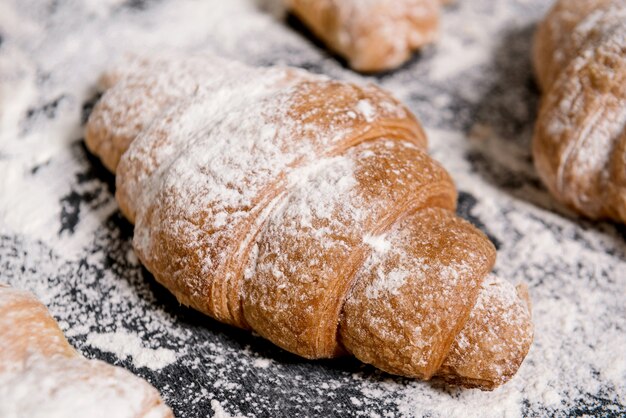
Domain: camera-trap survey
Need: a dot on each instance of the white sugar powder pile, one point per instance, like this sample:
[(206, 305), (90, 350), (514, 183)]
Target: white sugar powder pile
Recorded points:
[(125, 345)]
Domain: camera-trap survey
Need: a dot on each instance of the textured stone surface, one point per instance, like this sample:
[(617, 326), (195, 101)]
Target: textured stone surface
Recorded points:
[(62, 236)]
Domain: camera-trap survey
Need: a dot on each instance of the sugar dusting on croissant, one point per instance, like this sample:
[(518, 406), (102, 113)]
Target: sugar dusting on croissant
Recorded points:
[(580, 137), (308, 210), (41, 375)]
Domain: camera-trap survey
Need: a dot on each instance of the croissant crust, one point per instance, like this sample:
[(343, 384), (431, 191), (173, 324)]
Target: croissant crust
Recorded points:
[(580, 136), (373, 35), (41, 374), (307, 210)]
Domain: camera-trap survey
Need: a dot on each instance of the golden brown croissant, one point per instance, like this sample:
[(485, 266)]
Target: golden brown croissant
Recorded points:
[(580, 138), (307, 210), (41, 375), (373, 35)]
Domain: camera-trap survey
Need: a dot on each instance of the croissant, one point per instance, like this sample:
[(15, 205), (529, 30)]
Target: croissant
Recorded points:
[(41, 375), (579, 144), (373, 35), (307, 210)]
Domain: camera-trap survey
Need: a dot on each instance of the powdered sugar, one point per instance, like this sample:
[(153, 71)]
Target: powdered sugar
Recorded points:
[(574, 268), (387, 283), (125, 345), (219, 412), (366, 109), (202, 171), (377, 242)]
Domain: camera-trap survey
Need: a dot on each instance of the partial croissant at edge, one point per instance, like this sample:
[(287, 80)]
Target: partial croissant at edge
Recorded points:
[(308, 210), (579, 145), (42, 375), (373, 36)]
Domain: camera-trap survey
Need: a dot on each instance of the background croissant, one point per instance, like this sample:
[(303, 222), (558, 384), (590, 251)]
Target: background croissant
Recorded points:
[(580, 138), (374, 35), (307, 210), (41, 375)]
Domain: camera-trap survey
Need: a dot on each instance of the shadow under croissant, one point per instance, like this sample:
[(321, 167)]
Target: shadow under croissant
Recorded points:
[(504, 125), (504, 119), (294, 23)]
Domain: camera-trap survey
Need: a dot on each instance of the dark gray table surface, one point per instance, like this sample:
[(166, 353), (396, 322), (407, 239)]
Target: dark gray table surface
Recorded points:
[(62, 236)]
